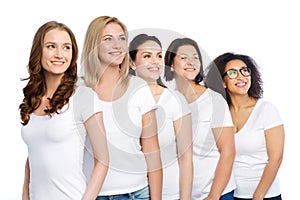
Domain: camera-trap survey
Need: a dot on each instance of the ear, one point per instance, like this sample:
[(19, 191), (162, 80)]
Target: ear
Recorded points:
[(172, 68), (224, 84), (132, 65)]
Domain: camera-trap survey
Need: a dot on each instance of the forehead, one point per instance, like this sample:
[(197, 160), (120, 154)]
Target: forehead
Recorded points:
[(113, 28), (57, 35), (235, 64), (149, 45), (187, 49)]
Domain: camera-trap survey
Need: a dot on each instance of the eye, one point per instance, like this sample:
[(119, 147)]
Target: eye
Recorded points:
[(183, 57), (50, 46), (196, 57), (123, 38), (107, 38), (67, 47), (246, 71), (147, 56), (232, 73)]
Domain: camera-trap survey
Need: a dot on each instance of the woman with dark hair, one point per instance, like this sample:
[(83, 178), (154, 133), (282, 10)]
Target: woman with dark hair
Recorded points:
[(213, 138), (57, 115), (173, 118), (259, 131)]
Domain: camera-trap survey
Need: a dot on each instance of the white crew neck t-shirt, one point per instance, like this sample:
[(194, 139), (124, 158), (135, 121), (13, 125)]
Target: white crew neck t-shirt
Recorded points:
[(123, 124), (209, 111), (56, 147), (171, 106), (251, 151)]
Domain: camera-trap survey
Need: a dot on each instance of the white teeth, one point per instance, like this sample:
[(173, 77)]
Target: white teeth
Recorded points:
[(57, 63), (241, 84), (190, 69), (115, 53), (154, 68)]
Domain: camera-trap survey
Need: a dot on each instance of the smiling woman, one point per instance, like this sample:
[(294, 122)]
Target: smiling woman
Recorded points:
[(57, 52), (259, 132), (56, 116)]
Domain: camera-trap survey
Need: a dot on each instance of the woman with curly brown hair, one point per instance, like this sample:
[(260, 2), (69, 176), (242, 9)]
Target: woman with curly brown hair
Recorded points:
[(57, 115), (258, 127)]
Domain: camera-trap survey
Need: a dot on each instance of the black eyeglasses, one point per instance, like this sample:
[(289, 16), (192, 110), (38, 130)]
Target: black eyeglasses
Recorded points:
[(234, 73)]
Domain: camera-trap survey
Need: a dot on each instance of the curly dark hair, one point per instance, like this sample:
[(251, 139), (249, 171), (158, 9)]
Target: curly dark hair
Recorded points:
[(36, 86), (256, 88)]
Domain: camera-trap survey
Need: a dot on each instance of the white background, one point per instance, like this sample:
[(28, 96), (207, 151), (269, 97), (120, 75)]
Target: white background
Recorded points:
[(266, 30)]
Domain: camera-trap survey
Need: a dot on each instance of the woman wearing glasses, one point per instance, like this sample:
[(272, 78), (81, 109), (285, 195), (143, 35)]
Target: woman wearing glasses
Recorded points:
[(259, 132)]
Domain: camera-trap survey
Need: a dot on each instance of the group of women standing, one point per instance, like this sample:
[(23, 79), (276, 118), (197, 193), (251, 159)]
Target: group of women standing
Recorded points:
[(117, 131)]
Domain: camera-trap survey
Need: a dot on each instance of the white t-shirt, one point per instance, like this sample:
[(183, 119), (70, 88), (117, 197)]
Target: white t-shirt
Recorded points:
[(171, 106), (251, 151), (123, 124), (56, 146), (209, 111)]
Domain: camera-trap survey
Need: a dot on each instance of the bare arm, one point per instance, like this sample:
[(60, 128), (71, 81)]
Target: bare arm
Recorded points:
[(275, 146), (225, 141), (25, 194), (97, 136), (183, 130), (150, 147)]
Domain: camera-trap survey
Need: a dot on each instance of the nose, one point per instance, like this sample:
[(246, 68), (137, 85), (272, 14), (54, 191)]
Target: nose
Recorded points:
[(58, 53), (190, 62), (155, 61), (116, 43)]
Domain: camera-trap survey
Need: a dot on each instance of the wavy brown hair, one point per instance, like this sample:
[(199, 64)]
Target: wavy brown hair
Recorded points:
[(36, 86)]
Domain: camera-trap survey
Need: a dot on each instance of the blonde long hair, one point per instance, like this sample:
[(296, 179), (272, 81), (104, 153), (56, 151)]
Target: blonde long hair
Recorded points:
[(90, 55)]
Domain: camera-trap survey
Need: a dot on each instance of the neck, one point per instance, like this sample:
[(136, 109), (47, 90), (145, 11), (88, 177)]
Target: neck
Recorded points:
[(111, 75), (156, 90), (187, 88), (241, 102), (52, 83)]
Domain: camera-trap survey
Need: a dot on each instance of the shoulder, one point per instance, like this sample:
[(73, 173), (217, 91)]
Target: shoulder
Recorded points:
[(84, 94), (266, 105)]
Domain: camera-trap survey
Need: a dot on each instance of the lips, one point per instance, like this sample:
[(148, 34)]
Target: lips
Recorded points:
[(241, 84), (189, 69), (57, 62), (115, 53), (153, 69)]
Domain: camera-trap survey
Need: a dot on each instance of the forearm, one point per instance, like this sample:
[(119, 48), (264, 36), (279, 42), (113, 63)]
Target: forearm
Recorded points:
[(186, 174), (222, 176), (155, 184), (267, 178), (25, 193), (96, 181)]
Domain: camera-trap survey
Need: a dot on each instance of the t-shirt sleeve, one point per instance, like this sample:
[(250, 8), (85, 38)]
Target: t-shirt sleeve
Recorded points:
[(271, 116), (86, 103), (221, 115), (144, 96), (180, 107)]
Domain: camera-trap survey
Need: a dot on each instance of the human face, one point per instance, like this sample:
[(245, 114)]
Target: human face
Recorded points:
[(239, 85), (187, 62), (148, 62), (113, 45), (57, 52)]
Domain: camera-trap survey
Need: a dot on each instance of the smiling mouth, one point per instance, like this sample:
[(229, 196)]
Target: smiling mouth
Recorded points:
[(241, 84), (189, 69)]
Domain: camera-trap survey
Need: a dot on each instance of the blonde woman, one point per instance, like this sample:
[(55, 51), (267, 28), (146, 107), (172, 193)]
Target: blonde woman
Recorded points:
[(128, 111)]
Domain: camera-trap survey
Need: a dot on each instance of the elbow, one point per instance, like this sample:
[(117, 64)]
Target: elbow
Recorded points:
[(276, 160)]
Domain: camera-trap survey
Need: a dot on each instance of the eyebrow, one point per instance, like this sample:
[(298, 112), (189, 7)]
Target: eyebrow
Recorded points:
[(66, 43), (113, 35)]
